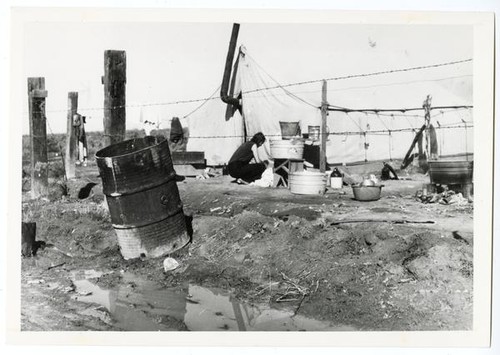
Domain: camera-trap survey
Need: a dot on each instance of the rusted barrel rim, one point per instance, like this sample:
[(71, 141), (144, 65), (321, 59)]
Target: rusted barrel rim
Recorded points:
[(103, 153)]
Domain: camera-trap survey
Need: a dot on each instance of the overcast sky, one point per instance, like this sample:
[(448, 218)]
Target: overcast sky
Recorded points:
[(180, 61)]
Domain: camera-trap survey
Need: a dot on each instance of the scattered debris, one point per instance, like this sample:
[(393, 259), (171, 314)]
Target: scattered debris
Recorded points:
[(241, 257), (36, 282), (293, 291), (54, 266), (99, 312), (86, 190), (459, 237), (396, 221), (447, 197), (68, 289), (84, 293)]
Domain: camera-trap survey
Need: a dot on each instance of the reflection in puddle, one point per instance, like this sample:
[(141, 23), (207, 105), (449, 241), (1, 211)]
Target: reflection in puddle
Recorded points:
[(142, 305)]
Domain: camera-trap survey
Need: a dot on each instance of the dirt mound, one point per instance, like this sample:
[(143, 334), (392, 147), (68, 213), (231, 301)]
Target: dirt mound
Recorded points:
[(441, 262)]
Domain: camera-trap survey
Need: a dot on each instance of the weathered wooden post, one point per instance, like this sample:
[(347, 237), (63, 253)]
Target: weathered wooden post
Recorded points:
[(70, 157), (424, 153), (114, 80), (324, 133), (38, 137), (28, 238)]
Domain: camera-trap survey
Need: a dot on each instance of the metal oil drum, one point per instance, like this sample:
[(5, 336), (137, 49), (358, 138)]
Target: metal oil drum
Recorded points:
[(450, 172), (143, 199)]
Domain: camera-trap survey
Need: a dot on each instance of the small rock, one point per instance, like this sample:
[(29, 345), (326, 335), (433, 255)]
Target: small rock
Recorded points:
[(241, 257), (170, 264), (39, 281), (371, 239), (84, 293)]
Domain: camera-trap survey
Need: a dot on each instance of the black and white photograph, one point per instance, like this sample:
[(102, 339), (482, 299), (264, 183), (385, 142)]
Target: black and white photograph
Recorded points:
[(260, 172)]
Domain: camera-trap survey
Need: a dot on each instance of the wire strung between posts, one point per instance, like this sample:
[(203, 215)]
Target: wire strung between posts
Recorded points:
[(403, 110), (390, 135), (352, 76), (380, 119), (357, 133), (281, 86), (407, 120), (178, 102), (398, 83), (356, 123), (458, 109), (204, 102), (289, 93), (392, 115), (450, 126)]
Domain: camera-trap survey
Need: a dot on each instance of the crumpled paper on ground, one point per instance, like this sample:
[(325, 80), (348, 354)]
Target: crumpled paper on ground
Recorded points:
[(447, 197), (266, 179)]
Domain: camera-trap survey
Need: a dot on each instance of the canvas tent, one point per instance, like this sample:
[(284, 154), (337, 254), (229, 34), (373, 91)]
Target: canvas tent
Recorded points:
[(355, 136)]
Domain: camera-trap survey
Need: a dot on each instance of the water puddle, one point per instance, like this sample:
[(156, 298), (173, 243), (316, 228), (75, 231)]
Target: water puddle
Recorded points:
[(140, 305)]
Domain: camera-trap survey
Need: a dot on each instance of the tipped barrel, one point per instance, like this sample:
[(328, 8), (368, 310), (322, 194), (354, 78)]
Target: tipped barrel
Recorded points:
[(450, 172), (143, 199)]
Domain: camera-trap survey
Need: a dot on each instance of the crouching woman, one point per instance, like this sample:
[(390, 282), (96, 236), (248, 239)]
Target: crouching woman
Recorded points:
[(240, 166)]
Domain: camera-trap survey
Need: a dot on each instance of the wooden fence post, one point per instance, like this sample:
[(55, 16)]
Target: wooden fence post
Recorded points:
[(70, 156), (114, 80), (424, 153), (324, 133), (38, 137)]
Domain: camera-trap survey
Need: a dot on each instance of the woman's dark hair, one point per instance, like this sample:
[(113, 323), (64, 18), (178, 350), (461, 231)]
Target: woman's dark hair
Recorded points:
[(258, 138)]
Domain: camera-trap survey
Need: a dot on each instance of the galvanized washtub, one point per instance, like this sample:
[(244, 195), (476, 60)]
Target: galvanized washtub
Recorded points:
[(450, 172), (308, 183), (142, 195), (287, 149)]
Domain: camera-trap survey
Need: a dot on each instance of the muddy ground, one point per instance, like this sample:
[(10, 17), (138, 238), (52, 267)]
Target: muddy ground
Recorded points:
[(260, 259)]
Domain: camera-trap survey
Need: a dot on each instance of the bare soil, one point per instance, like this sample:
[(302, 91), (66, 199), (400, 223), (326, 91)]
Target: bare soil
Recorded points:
[(265, 246)]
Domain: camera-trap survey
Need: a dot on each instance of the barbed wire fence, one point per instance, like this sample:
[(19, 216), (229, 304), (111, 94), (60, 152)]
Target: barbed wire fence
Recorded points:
[(378, 112)]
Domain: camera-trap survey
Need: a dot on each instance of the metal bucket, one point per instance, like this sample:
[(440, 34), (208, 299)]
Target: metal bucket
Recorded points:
[(450, 172), (367, 193), (290, 130), (287, 149), (314, 132), (143, 199), (307, 183), (336, 182)]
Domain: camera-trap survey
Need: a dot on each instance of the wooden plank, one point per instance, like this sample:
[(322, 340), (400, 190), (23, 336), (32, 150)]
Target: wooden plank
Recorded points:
[(114, 80), (188, 158), (38, 139)]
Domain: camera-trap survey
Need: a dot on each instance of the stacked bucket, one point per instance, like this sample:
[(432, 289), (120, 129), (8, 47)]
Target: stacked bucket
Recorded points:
[(291, 146)]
